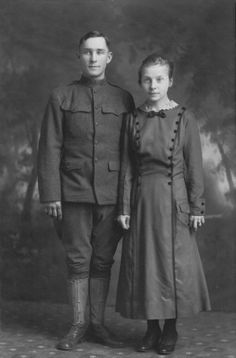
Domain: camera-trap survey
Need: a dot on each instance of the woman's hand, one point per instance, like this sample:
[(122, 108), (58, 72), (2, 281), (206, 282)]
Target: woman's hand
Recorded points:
[(196, 221), (124, 221)]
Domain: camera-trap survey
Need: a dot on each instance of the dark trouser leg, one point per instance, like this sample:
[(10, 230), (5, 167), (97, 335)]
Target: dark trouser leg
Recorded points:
[(152, 336), (76, 237), (169, 337), (106, 236)]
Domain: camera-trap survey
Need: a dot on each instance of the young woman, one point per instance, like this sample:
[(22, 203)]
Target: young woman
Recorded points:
[(161, 205)]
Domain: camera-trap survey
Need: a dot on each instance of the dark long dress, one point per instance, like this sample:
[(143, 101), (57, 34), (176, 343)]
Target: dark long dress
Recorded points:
[(161, 184)]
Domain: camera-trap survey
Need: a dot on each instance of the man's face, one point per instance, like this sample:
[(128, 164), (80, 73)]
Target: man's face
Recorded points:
[(94, 56)]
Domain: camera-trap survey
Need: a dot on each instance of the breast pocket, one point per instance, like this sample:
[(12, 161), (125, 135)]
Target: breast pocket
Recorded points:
[(77, 120), (111, 120)]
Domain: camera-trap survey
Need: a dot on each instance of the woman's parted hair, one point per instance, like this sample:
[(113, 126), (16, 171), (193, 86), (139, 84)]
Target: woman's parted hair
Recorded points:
[(155, 59)]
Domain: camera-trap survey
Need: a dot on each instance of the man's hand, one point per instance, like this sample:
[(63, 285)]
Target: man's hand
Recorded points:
[(124, 221), (196, 221), (53, 209)]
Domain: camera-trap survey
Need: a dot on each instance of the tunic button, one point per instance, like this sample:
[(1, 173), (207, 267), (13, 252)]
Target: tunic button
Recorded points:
[(177, 122), (95, 159), (97, 106), (96, 123), (137, 136), (172, 139), (169, 158), (175, 131), (202, 212), (137, 123), (171, 149), (203, 204), (169, 174), (169, 182)]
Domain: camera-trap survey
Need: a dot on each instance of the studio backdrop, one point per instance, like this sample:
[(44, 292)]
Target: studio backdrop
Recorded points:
[(38, 45)]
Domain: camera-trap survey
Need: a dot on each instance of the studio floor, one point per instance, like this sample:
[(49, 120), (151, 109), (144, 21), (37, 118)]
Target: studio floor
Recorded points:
[(31, 330)]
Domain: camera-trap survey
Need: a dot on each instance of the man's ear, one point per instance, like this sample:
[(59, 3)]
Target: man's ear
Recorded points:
[(109, 57), (171, 82)]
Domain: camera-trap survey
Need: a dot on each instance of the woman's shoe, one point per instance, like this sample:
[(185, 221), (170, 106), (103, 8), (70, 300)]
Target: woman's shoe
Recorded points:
[(167, 343), (150, 340)]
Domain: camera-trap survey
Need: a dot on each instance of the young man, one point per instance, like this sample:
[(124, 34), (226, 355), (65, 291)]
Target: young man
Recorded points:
[(78, 169)]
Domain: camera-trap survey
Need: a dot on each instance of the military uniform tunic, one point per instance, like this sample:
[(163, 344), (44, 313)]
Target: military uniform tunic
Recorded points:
[(79, 163), (79, 148), (161, 184)]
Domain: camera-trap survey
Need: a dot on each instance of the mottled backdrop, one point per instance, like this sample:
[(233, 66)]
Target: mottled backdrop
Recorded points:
[(38, 43)]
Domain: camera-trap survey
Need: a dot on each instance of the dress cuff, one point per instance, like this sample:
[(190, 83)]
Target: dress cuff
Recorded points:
[(198, 208)]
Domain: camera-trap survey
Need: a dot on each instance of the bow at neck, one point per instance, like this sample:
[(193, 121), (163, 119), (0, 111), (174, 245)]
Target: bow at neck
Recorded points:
[(160, 114)]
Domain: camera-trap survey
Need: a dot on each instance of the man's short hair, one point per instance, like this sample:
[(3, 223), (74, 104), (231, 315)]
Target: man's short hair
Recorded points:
[(155, 59), (95, 33)]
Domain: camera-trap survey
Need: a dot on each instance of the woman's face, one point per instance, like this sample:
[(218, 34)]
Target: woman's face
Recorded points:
[(155, 82)]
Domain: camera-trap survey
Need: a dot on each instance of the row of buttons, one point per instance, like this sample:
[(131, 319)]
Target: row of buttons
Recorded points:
[(172, 148)]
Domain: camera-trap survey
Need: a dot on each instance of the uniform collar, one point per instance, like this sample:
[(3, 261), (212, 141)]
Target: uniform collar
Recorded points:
[(91, 82)]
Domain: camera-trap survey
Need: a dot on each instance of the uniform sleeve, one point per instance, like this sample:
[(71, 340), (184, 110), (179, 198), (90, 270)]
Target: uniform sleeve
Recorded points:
[(194, 169), (49, 152), (126, 170)]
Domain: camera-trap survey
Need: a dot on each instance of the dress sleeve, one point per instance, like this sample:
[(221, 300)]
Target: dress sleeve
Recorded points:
[(126, 170), (194, 168), (49, 152)]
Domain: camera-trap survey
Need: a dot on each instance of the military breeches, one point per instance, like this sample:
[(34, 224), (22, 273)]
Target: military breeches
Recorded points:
[(90, 235)]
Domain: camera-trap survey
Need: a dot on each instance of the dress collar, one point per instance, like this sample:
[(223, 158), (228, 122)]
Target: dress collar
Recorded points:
[(170, 105)]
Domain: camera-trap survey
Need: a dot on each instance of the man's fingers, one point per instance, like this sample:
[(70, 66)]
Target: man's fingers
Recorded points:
[(54, 210), (59, 212)]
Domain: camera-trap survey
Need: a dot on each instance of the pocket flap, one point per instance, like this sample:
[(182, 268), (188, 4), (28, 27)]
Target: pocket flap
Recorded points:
[(183, 207), (72, 165), (114, 109), (113, 166), (79, 106)]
